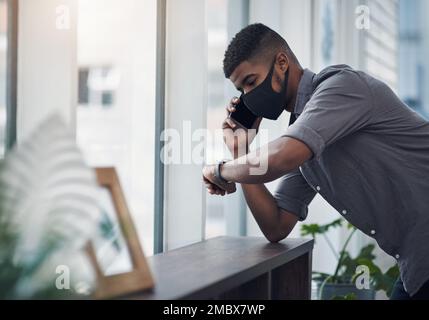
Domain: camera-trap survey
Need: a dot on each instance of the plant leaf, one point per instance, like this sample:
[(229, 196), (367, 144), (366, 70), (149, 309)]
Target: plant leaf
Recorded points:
[(315, 229), (350, 296)]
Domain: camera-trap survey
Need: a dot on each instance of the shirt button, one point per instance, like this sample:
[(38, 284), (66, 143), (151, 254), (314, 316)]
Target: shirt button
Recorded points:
[(397, 256), (373, 232), (344, 212), (318, 188)]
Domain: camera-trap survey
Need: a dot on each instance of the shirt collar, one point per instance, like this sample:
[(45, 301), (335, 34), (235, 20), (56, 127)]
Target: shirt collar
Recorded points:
[(305, 91)]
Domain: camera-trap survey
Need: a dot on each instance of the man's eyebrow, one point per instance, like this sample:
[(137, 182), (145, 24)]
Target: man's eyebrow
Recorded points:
[(244, 81)]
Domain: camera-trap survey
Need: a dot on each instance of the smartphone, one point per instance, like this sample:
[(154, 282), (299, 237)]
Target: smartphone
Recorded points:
[(243, 116)]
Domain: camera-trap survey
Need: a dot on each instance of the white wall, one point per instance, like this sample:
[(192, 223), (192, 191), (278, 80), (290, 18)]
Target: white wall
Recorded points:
[(47, 78)]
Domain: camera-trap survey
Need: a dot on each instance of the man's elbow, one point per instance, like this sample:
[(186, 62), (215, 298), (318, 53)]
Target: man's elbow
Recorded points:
[(276, 237)]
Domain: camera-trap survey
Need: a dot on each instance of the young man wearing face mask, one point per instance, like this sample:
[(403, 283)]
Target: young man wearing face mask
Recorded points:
[(350, 139)]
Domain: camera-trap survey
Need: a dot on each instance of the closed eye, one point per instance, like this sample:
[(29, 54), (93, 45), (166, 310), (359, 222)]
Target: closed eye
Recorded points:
[(248, 81), (251, 82)]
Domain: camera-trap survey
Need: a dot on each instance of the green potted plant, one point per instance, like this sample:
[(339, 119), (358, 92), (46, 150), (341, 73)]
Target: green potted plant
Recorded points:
[(341, 284)]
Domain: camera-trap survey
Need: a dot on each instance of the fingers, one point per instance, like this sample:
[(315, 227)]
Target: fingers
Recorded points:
[(234, 101), (212, 188), (215, 190), (227, 188), (231, 107), (231, 188), (229, 123), (232, 104)]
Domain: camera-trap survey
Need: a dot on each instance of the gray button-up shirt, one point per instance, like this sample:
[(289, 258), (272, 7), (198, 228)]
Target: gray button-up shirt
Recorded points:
[(371, 163)]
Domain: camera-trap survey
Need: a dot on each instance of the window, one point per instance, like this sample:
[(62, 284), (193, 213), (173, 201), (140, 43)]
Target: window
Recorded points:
[(413, 53), (224, 215), (3, 62), (217, 42), (97, 86), (381, 42), (116, 112)]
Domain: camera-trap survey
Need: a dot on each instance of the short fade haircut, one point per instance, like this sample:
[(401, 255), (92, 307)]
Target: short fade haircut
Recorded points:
[(255, 40)]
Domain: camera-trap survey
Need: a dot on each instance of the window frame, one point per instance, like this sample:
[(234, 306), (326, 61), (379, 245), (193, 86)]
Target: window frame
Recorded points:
[(159, 127), (11, 73)]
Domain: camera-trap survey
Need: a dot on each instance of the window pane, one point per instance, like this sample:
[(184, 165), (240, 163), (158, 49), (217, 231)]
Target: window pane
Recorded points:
[(115, 117), (3, 52), (216, 13), (413, 55)]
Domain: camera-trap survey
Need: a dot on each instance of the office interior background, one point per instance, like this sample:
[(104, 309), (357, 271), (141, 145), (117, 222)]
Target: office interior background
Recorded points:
[(120, 72)]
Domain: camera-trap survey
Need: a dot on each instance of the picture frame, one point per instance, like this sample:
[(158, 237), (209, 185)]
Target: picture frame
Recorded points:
[(138, 277)]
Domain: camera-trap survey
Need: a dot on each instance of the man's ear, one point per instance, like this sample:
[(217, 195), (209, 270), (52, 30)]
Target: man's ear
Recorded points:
[(282, 61)]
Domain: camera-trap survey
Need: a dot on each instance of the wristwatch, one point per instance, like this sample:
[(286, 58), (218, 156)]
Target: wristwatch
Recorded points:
[(217, 171)]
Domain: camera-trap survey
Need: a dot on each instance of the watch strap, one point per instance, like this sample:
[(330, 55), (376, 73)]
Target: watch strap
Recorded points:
[(217, 171)]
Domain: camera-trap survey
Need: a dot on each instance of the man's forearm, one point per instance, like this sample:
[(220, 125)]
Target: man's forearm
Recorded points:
[(267, 163), (263, 207), (274, 222)]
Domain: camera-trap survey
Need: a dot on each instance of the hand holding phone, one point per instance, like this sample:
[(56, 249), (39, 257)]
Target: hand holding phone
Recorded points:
[(239, 131), (243, 116)]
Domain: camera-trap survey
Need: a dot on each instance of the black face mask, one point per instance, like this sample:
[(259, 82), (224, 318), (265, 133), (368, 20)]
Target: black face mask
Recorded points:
[(263, 101)]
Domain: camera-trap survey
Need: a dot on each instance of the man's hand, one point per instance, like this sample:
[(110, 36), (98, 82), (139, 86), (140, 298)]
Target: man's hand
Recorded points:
[(214, 185), (236, 138)]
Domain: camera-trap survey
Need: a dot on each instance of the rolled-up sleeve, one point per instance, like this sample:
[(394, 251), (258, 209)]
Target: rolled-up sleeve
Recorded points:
[(340, 106), (293, 194)]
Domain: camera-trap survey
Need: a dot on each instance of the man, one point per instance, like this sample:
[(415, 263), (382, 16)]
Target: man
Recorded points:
[(351, 140)]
